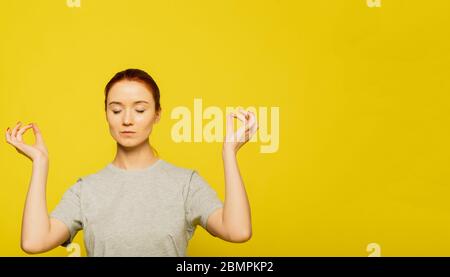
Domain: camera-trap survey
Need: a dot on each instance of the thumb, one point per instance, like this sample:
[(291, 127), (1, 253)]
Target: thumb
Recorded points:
[(230, 123), (230, 128), (37, 133)]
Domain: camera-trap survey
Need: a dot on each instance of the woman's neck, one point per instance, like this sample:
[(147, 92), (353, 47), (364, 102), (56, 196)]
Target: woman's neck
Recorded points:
[(138, 157)]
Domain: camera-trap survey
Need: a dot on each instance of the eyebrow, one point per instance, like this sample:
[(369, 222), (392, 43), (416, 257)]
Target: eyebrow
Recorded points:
[(135, 102)]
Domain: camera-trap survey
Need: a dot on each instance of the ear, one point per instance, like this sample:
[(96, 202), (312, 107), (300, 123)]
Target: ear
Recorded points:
[(158, 116)]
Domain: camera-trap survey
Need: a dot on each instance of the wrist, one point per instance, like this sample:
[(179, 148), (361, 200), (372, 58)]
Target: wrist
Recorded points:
[(228, 150), (41, 160)]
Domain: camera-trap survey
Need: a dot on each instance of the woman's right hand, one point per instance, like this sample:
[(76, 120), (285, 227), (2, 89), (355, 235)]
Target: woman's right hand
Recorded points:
[(33, 152)]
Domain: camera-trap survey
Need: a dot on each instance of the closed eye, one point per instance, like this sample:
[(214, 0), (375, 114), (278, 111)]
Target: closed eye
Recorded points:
[(139, 111)]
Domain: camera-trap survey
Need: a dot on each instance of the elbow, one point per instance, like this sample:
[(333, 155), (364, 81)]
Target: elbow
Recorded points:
[(241, 237), (31, 248)]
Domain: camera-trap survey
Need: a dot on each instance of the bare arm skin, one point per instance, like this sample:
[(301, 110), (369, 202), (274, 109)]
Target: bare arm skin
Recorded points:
[(233, 222), (39, 232)]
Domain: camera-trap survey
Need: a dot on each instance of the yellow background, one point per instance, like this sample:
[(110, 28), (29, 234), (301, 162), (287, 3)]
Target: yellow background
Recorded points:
[(364, 111)]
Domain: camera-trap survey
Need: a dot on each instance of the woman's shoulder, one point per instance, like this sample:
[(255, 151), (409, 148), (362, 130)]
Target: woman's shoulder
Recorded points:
[(95, 176), (175, 169)]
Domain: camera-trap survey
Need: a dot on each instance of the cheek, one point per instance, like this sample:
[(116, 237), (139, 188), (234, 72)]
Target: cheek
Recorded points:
[(145, 123), (113, 122)]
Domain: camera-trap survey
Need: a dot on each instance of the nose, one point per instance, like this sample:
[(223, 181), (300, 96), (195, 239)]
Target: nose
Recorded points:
[(127, 118)]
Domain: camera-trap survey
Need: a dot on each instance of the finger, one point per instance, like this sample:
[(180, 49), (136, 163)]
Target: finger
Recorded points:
[(252, 118), (230, 121), (230, 127), (8, 136), (241, 116), (250, 121), (14, 131), (241, 133), (248, 125), (244, 113), (248, 134), (37, 134), (253, 125), (21, 131), (253, 129), (10, 140)]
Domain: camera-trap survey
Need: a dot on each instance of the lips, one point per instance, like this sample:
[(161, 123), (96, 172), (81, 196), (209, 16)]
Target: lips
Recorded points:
[(128, 132)]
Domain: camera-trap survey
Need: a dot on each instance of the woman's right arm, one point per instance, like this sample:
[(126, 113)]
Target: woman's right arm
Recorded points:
[(40, 233)]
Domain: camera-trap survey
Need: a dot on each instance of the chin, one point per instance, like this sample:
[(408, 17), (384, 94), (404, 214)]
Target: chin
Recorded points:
[(129, 143)]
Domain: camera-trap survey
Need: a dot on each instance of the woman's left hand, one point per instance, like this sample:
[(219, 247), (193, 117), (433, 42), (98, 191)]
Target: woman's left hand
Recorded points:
[(235, 140)]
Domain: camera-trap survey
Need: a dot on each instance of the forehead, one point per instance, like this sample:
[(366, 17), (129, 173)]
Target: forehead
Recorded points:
[(128, 92)]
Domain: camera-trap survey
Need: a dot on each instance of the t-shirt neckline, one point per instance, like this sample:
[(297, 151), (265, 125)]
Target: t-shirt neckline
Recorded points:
[(114, 168)]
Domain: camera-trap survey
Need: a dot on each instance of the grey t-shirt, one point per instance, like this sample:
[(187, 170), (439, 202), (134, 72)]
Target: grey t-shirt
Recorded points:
[(143, 212)]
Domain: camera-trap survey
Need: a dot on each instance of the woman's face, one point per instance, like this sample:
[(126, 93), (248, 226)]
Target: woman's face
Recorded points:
[(130, 112)]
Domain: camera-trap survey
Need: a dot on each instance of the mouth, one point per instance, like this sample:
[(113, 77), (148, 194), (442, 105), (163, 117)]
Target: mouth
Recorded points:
[(127, 132)]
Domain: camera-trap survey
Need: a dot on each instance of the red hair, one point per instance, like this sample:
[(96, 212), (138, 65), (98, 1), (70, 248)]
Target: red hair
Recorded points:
[(139, 76)]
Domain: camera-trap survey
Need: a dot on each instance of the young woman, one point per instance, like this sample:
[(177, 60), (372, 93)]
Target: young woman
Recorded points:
[(139, 204)]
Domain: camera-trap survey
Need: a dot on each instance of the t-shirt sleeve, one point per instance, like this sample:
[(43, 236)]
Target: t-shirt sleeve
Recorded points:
[(201, 200), (68, 210)]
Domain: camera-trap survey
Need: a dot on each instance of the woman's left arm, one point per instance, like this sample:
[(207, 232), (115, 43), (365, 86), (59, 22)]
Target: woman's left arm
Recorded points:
[(233, 222)]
